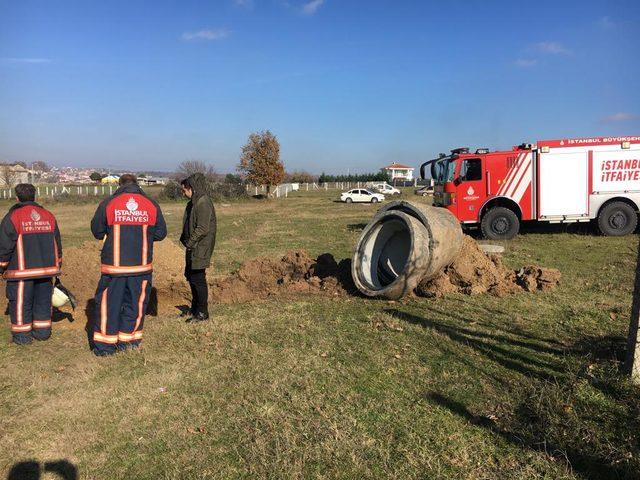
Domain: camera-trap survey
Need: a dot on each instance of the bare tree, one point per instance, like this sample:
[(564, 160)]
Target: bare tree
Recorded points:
[(40, 166), (8, 176), (189, 167), (260, 160)]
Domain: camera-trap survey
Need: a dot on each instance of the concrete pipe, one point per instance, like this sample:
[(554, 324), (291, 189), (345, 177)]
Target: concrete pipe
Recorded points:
[(403, 244)]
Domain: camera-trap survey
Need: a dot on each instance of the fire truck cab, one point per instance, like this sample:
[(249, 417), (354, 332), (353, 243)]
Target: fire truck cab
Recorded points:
[(569, 180)]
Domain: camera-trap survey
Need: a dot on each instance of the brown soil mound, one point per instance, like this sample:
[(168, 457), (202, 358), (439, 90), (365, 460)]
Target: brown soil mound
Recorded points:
[(296, 272), (475, 272), (472, 273)]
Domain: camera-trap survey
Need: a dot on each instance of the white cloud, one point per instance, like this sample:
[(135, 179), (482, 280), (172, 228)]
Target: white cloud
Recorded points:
[(205, 35), (310, 8), (606, 23), (526, 62), (620, 117), (25, 60), (551, 48)]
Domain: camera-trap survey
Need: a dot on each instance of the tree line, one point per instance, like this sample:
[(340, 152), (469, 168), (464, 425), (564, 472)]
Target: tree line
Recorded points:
[(360, 177)]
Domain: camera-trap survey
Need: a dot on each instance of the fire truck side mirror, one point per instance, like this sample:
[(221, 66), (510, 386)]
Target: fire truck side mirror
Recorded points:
[(457, 181)]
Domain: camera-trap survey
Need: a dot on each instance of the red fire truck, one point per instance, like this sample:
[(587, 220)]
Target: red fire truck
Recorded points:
[(569, 180)]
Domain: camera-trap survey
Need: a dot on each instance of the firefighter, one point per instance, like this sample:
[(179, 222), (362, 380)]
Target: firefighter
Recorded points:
[(128, 222), (199, 238), (30, 256)]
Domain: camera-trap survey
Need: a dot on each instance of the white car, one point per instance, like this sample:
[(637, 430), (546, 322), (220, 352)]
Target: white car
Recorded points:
[(361, 195), (388, 189)]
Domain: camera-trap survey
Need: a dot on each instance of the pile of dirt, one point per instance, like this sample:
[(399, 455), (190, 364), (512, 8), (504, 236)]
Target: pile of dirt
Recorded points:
[(296, 272), (472, 273), (475, 272), (260, 278)]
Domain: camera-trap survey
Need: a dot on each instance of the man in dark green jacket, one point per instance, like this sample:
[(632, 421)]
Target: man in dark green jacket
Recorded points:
[(199, 238)]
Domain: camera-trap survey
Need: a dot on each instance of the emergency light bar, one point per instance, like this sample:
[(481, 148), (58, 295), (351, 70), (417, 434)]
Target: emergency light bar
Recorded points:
[(460, 150), (482, 151)]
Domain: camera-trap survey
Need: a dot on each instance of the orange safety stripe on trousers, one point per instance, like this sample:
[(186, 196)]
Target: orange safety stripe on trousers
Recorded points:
[(20, 303), (143, 294), (42, 324), (116, 245), (103, 312), (21, 328), (98, 337), (129, 337)]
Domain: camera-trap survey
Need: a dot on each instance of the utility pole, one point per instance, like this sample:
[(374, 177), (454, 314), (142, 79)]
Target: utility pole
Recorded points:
[(632, 363)]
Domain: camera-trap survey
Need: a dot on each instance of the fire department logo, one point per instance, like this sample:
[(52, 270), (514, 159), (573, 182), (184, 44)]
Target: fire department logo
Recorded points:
[(35, 216), (132, 205), (470, 191)]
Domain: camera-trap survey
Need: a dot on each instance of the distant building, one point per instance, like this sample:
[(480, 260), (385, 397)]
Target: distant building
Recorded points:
[(397, 171), (152, 181), (11, 175)]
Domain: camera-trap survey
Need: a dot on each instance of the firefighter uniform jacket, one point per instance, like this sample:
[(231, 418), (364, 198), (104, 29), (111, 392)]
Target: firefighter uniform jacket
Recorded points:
[(30, 245), (131, 222)]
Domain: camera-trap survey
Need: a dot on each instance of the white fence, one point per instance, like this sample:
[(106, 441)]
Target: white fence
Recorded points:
[(283, 190), (56, 190)]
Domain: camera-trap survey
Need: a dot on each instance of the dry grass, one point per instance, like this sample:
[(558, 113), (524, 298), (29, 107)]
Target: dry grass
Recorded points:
[(462, 387)]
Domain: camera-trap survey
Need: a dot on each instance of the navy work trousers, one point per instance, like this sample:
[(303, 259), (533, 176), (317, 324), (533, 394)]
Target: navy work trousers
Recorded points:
[(121, 303), (30, 309)]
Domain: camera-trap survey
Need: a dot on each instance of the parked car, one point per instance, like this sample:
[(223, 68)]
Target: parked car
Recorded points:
[(424, 191), (387, 189), (361, 195)]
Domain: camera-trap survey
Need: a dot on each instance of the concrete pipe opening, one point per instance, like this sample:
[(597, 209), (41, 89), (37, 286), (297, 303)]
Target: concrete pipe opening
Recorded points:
[(389, 258), (403, 244)]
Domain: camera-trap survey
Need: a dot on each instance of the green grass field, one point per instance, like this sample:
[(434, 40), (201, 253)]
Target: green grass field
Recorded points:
[(480, 387)]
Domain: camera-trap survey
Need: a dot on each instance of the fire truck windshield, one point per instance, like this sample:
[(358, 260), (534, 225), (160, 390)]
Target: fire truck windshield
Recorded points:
[(443, 170)]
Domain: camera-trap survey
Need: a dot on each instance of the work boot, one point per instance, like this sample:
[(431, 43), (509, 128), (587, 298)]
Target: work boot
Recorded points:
[(22, 338), (103, 353), (186, 314), (198, 317)]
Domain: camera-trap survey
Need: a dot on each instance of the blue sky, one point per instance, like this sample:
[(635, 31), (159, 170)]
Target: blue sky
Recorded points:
[(343, 84)]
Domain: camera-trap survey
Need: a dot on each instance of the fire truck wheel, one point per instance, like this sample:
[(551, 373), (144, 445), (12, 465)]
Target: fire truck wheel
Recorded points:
[(617, 219), (500, 223)]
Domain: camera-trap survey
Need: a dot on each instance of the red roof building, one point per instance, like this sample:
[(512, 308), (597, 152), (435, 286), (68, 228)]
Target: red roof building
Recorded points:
[(398, 171)]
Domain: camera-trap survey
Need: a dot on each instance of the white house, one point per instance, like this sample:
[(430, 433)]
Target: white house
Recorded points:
[(11, 175), (397, 171)]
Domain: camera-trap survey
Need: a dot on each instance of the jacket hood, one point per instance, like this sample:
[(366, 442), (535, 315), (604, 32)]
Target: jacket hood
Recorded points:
[(198, 184), (130, 188)]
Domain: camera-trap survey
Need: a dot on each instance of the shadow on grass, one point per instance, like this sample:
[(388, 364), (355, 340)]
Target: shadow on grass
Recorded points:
[(485, 343), (32, 470), (578, 228), (572, 403), (587, 464)]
